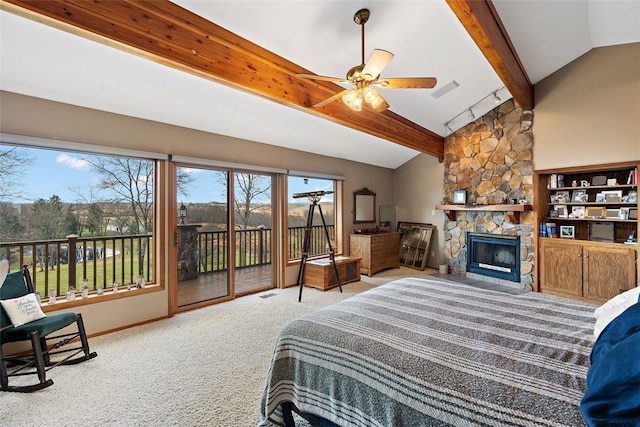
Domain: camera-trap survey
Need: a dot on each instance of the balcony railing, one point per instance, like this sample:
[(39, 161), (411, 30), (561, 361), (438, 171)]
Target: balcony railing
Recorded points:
[(318, 243), (57, 265)]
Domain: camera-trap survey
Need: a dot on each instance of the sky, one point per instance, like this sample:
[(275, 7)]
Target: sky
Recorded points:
[(70, 176)]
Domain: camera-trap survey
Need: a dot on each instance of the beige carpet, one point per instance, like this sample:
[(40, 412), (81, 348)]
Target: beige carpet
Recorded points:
[(206, 367)]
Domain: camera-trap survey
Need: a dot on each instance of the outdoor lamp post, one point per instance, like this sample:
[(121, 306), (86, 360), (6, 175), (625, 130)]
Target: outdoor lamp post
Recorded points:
[(182, 213)]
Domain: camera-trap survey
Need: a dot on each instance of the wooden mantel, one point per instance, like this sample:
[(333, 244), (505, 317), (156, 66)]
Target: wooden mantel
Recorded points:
[(513, 211)]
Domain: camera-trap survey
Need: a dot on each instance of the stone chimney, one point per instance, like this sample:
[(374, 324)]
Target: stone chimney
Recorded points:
[(492, 159)]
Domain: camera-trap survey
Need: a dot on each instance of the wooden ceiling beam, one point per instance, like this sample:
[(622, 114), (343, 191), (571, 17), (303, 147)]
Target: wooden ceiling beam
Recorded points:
[(168, 34), (483, 24)]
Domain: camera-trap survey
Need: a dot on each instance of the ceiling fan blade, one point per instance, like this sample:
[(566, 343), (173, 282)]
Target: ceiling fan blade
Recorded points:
[(376, 63), (332, 98), (323, 78), (407, 82)]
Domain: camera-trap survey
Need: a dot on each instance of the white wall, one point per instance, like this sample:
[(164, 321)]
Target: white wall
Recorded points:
[(588, 112), (418, 189)]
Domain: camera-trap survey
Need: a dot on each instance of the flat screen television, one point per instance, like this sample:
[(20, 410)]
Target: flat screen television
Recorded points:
[(601, 231)]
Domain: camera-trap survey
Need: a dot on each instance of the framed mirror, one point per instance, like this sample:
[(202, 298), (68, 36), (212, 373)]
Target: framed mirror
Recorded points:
[(364, 204)]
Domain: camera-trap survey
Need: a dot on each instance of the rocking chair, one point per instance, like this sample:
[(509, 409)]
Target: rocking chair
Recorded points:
[(18, 290)]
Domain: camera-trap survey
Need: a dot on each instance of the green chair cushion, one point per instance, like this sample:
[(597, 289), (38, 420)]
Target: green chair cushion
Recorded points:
[(44, 327), (13, 287)]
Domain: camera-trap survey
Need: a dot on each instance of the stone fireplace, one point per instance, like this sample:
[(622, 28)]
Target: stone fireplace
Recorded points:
[(492, 159)]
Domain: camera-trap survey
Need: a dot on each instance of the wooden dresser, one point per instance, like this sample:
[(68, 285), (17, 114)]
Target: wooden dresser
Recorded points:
[(378, 251)]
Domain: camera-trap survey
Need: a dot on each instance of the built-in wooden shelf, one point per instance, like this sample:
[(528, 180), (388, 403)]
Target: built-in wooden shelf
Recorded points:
[(513, 211)]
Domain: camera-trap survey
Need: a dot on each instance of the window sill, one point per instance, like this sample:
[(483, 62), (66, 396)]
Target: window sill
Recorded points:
[(93, 298)]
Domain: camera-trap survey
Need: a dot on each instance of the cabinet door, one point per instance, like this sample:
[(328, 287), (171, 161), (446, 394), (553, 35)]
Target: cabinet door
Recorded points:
[(561, 268), (608, 271)]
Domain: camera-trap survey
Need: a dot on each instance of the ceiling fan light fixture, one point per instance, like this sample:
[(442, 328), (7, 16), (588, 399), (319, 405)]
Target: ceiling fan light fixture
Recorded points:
[(353, 99), (357, 103), (373, 98), (368, 73), (377, 103), (349, 97)]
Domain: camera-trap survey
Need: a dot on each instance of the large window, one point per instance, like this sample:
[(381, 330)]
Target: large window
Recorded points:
[(298, 215), (76, 219)]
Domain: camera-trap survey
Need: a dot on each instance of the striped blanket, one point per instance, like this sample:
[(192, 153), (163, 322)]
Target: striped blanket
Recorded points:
[(429, 352)]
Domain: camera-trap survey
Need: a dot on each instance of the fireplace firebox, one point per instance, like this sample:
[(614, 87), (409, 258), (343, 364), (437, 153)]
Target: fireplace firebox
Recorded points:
[(494, 255)]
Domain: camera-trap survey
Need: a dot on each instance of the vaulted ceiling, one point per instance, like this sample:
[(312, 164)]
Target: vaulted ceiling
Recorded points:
[(229, 67)]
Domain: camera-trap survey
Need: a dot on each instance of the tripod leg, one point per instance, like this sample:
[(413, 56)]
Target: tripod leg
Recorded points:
[(305, 249), (331, 252)]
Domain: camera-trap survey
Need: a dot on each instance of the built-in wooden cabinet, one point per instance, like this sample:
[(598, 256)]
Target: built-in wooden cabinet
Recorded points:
[(591, 253), (377, 251), (594, 271)]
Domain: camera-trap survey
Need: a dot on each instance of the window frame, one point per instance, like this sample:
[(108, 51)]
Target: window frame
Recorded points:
[(337, 215), (153, 282)]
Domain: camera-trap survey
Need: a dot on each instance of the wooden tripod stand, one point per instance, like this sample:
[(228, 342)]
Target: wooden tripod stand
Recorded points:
[(314, 198)]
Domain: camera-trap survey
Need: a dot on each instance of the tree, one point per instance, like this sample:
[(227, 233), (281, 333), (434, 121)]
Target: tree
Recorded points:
[(89, 214), (50, 220), (11, 228), (250, 189), (130, 183), (95, 220), (13, 164), (130, 187)]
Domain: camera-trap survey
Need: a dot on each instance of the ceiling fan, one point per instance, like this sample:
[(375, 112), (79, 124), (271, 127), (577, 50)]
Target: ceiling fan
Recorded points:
[(367, 75)]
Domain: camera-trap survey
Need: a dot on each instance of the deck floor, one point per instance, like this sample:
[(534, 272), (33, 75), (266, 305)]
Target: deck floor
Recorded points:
[(215, 285)]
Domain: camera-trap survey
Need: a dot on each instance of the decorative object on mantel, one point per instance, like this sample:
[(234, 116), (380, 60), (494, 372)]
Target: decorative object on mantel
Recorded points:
[(460, 197), (513, 211)]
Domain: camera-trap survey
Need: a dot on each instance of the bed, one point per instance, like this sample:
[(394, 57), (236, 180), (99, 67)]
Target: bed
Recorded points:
[(429, 352)]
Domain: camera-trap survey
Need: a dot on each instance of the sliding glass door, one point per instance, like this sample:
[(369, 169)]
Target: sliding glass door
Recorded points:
[(224, 234), (202, 235), (253, 205)]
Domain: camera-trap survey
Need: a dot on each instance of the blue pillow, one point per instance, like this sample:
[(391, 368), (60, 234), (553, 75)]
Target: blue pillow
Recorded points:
[(612, 397)]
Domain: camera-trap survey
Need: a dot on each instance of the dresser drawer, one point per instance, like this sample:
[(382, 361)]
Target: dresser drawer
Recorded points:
[(378, 251)]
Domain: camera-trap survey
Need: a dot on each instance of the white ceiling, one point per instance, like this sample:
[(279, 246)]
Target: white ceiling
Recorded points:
[(320, 35)]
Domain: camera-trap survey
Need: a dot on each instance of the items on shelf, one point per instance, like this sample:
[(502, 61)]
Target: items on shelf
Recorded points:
[(548, 229)]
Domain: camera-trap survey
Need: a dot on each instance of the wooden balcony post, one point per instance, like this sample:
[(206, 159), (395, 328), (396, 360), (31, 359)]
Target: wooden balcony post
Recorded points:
[(71, 258)]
